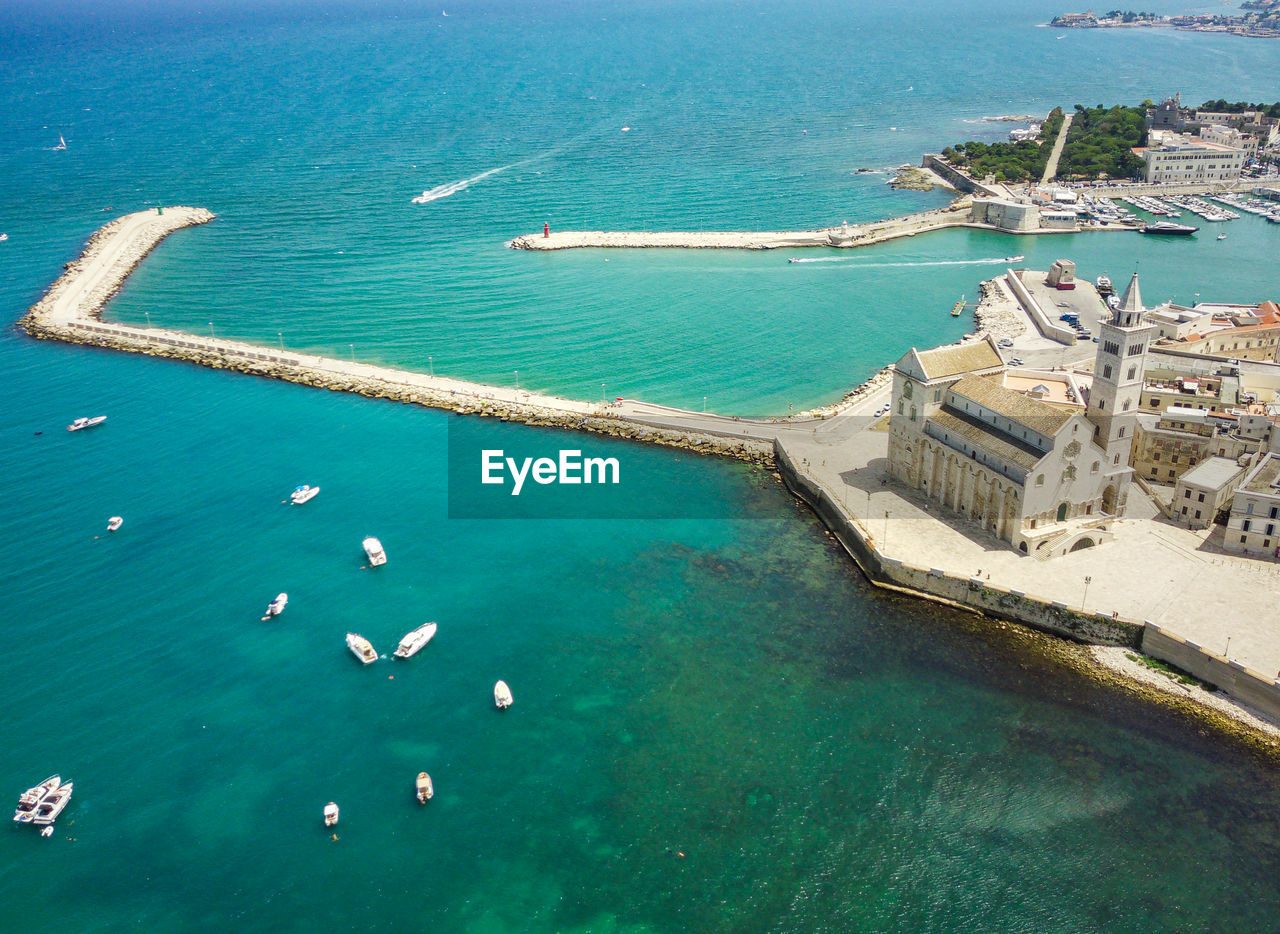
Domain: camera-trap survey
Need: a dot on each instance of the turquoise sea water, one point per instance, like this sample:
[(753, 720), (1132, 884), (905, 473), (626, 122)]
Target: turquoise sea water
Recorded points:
[(825, 758)]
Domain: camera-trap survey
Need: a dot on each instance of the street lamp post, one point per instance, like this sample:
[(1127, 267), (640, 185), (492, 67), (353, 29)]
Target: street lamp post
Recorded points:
[(704, 405), (884, 541), (352, 348), (211, 334), (602, 393), (280, 337), (431, 365), (517, 384), (148, 314), (1087, 581)]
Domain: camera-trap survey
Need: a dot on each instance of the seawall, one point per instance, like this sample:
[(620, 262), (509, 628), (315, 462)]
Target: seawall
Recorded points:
[(940, 586)]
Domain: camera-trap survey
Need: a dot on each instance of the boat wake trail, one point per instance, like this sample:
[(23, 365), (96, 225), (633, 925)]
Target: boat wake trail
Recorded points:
[(452, 188), (938, 262)]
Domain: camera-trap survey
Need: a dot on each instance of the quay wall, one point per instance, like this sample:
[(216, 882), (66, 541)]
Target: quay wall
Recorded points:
[(940, 586), (935, 163), (1049, 328), (1246, 685)]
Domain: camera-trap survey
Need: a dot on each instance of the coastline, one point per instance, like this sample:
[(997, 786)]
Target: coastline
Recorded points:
[(71, 311)]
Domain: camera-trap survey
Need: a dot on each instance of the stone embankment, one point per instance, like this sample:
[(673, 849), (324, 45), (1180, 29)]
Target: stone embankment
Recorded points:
[(997, 312), (71, 311), (878, 381), (845, 236)]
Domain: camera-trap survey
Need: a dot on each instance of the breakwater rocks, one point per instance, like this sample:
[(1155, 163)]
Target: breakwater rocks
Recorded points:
[(109, 256), (997, 312), (873, 384), (257, 361), (913, 179)]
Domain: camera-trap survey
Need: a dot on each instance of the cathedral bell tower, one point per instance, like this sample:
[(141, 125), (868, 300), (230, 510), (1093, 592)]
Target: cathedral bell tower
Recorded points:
[(1117, 377)]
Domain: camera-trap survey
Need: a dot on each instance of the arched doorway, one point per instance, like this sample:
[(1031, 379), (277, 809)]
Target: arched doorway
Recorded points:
[(1109, 500), (1062, 512)]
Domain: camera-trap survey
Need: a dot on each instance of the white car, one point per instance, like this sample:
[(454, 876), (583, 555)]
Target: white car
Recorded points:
[(1016, 361)]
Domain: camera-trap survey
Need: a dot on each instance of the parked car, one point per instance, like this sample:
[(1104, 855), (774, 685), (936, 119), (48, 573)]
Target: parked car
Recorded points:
[(1016, 361), (1006, 342)]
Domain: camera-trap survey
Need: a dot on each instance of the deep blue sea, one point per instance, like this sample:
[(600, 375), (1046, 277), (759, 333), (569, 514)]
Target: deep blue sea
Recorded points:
[(718, 726)]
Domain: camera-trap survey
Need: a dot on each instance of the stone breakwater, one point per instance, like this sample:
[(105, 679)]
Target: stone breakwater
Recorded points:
[(844, 236), (71, 311)]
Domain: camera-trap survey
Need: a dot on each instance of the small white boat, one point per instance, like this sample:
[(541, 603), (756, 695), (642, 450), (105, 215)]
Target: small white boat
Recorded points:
[(3, 237), (362, 648), (502, 695), (1014, 259), (373, 548), (303, 494), (1222, 236), (55, 803), (330, 814), (62, 144), (30, 799), (80, 423), (424, 788), (47, 832), (423, 198), (414, 641), (114, 523), (276, 606)]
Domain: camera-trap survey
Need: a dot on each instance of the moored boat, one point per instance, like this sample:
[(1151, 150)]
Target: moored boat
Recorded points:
[(373, 548), (502, 695), (361, 648), (303, 494), (276, 606), (30, 799), (424, 788), (330, 814), (81, 423), (414, 641), (1169, 229), (1104, 286), (55, 803), (114, 523), (957, 308)]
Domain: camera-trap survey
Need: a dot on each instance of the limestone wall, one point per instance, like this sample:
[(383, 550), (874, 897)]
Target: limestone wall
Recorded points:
[(941, 586), (1054, 330), (1244, 684)]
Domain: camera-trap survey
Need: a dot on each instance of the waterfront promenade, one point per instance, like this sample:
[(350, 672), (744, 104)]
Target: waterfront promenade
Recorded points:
[(1153, 571)]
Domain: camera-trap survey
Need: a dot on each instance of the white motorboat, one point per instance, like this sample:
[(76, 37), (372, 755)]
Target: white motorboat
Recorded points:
[(276, 606), (33, 797), (424, 788), (373, 548), (55, 803), (80, 423), (1222, 236), (414, 641), (362, 648), (330, 814), (1014, 259), (303, 494), (3, 237), (502, 695), (114, 523), (423, 198)]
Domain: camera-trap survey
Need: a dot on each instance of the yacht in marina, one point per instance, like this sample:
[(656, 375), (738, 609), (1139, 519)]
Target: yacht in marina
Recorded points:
[(1168, 228), (276, 606), (114, 523), (414, 641), (373, 548), (361, 648), (502, 695), (33, 797), (80, 423), (303, 494), (424, 788), (1104, 286)]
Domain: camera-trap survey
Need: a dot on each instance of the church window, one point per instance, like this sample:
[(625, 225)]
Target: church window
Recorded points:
[(1125, 407), (1040, 480), (899, 406), (913, 414), (1133, 371), (1116, 459), (1102, 404), (937, 395), (1070, 472), (1120, 434), (1094, 468), (1106, 371), (906, 389)]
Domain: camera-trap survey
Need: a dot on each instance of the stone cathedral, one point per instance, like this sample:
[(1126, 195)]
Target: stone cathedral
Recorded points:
[(1048, 477)]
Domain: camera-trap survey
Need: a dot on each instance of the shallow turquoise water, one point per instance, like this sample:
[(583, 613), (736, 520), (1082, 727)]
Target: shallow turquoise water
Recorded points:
[(725, 687)]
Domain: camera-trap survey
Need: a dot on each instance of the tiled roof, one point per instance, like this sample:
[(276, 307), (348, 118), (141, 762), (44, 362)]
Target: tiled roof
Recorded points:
[(981, 435), (958, 358), (1036, 415)]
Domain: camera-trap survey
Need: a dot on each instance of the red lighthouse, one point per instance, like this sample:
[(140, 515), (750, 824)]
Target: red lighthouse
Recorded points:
[(546, 230)]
